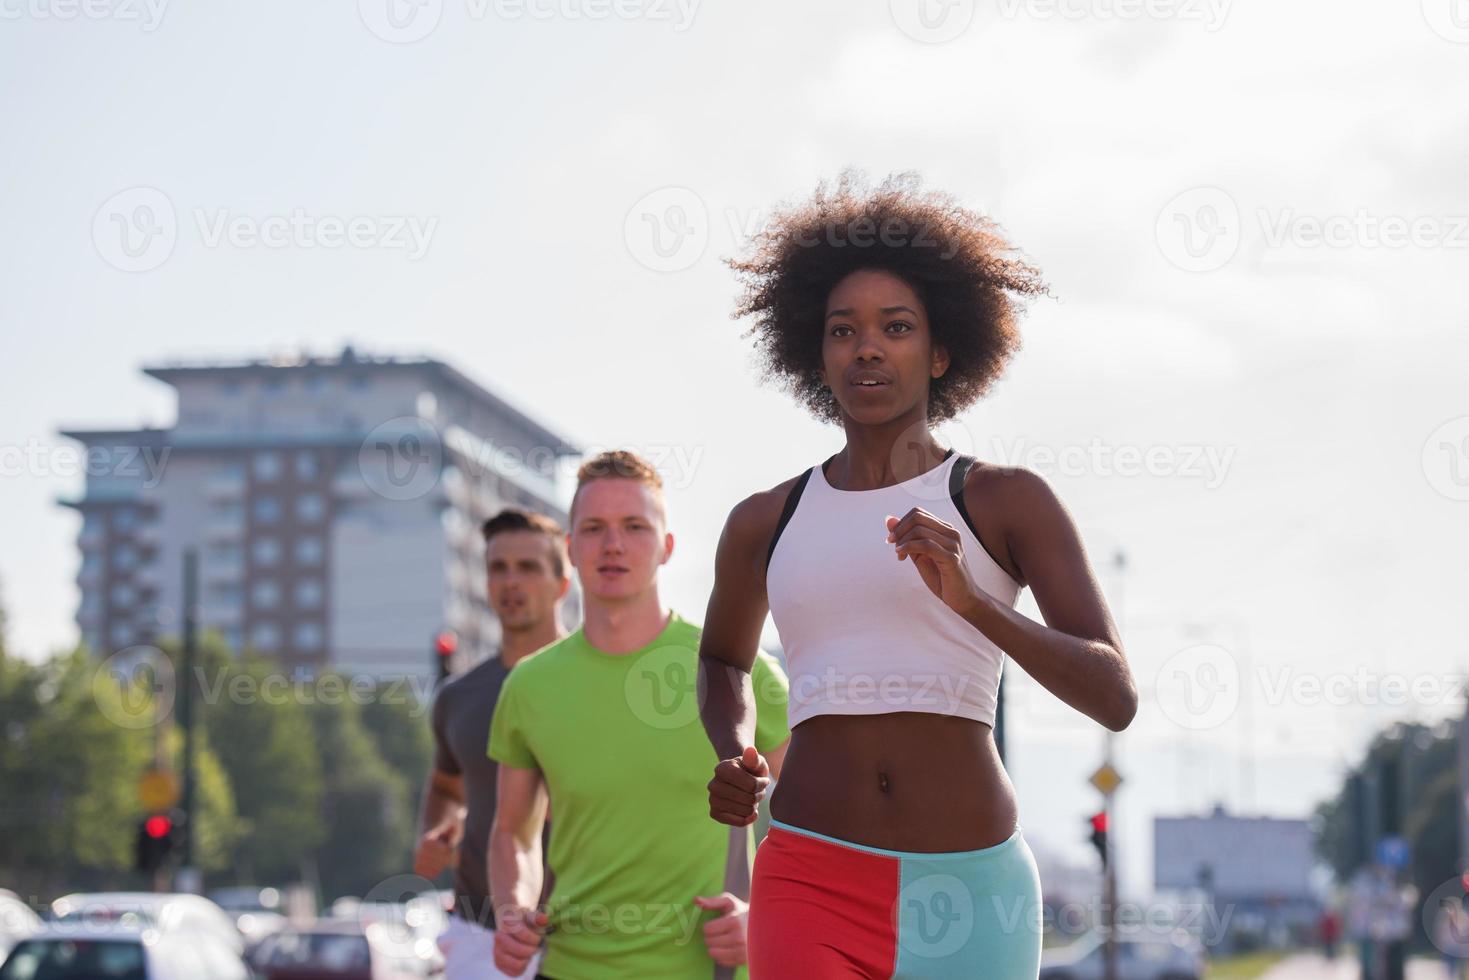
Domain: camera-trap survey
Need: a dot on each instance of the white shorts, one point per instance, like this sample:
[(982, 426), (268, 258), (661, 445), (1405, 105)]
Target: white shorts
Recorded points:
[(469, 953)]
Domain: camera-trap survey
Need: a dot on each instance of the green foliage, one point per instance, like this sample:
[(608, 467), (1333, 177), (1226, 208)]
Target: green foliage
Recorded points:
[(293, 779)]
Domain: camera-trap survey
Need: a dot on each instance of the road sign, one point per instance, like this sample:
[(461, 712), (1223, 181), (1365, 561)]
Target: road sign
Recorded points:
[(1392, 852), (1106, 779), (158, 790)]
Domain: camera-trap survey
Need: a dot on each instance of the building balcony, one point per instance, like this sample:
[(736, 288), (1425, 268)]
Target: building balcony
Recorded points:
[(215, 612), (223, 570), (224, 488), (224, 528)]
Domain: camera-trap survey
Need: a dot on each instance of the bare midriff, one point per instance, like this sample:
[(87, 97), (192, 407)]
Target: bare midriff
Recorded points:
[(904, 781)]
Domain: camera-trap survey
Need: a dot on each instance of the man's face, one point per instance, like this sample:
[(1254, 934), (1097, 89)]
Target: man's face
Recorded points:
[(523, 584), (618, 540)]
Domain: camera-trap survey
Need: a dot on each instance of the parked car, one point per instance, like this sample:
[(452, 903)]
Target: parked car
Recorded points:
[(256, 911), (166, 911), (1139, 957), (17, 921), (121, 951), (340, 949)]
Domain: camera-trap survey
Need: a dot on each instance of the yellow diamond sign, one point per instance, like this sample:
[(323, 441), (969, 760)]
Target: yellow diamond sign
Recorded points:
[(158, 790), (1106, 779)]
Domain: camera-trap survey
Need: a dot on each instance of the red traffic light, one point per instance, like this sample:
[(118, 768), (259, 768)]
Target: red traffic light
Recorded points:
[(157, 826), (1099, 822), (446, 643)]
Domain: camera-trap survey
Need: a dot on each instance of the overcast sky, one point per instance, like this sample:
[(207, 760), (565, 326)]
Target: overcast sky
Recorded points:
[(1252, 216)]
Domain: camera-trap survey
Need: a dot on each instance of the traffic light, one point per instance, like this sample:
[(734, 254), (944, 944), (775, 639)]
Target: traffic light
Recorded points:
[(156, 833), (1099, 835), (445, 644)]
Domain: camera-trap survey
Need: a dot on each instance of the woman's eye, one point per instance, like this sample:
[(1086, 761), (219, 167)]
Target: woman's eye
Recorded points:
[(903, 327), (836, 331)]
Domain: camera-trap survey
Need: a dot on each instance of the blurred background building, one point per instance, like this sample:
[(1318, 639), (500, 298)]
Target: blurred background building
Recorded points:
[(1262, 870), (334, 502)]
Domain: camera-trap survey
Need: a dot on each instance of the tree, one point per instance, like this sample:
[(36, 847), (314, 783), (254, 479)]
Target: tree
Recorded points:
[(368, 826)]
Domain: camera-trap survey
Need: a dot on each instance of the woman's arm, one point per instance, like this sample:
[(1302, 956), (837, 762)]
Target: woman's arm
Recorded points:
[(727, 649), (1077, 654)]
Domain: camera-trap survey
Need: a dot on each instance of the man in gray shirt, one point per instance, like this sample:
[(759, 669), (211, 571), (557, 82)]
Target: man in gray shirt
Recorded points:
[(525, 554)]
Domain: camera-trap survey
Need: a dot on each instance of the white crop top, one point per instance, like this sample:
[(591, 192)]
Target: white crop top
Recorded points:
[(862, 634)]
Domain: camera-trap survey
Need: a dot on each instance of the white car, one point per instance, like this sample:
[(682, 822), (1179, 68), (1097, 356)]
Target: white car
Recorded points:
[(121, 951), (1151, 956), (17, 921), (168, 912)]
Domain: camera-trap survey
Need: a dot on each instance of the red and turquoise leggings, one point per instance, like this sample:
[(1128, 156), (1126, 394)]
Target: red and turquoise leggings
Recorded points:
[(825, 909)]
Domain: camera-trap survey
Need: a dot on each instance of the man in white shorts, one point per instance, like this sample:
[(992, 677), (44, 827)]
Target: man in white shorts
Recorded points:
[(529, 575)]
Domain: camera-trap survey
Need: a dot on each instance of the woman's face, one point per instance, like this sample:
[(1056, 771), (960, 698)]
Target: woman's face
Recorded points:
[(877, 354)]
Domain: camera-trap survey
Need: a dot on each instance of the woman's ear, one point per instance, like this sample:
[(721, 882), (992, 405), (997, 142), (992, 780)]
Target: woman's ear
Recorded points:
[(939, 361)]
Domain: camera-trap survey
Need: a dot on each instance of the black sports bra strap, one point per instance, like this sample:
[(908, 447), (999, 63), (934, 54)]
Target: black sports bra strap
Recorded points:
[(793, 498), (956, 494)]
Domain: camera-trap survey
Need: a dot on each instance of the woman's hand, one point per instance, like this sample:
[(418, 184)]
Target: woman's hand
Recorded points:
[(937, 552), (738, 787)]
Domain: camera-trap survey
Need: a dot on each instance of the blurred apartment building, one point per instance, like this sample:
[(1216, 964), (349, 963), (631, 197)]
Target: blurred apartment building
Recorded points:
[(334, 504)]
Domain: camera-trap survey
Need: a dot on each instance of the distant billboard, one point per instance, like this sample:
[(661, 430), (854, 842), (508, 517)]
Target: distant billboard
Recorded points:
[(1249, 857)]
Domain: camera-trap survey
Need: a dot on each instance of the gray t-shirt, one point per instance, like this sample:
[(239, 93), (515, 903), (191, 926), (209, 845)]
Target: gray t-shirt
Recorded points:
[(461, 716)]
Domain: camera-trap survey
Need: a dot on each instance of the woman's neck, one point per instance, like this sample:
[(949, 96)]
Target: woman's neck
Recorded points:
[(885, 455)]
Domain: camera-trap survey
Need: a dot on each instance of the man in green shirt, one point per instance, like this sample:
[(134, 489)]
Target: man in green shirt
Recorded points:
[(603, 727)]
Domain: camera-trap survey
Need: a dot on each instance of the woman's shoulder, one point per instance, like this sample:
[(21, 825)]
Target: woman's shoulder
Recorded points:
[(759, 513)]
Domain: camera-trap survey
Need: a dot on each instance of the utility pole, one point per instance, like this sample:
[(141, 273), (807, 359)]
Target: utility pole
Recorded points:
[(188, 874)]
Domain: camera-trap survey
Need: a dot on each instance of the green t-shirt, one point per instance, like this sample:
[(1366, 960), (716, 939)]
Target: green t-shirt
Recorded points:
[(618, 739)]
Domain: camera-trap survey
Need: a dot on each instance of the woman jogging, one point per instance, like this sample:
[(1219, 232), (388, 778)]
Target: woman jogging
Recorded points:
[(892, 571)]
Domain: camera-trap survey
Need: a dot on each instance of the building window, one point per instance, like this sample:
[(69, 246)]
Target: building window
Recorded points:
[(268, 466), (306, 465), (234, 638), (308, 550), (267, 510), (265, 594), (310, 507), (308, 593), (122, 634), (265, 636), (224, 552), (125, 557), (308, 636), (225, 595), (267, 551), (123, 595), (125, 519)]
